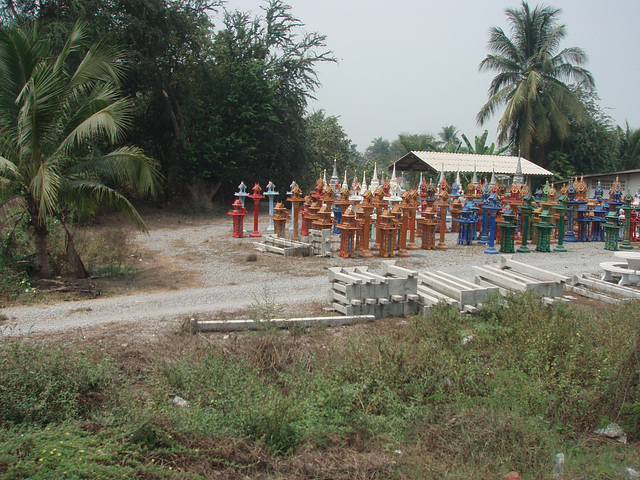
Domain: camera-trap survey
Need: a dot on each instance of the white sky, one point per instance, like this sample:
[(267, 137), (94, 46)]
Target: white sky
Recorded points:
[(411, 66)]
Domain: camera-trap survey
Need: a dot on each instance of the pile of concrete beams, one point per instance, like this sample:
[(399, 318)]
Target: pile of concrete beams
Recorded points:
[(283, 246), (515, 276), (321, 242), (399, 291), (318, 243), (357, 291), (442, 287)]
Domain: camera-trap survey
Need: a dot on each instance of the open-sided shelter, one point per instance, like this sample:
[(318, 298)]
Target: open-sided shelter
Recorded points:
[(420, 161)]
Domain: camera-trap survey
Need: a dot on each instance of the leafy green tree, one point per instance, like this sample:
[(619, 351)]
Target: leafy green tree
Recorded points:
[(379, 148), (59, 116), (326, 140), (167, 44), (251, 119), (212, 104), (406, 143), (593, 144), (539, 106)]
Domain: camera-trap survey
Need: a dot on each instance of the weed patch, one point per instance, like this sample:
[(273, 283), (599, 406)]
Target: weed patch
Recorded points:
[(437, 396)]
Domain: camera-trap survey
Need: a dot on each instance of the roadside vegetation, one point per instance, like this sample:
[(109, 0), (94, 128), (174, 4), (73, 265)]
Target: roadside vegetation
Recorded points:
[(105, 249), (441, 396)]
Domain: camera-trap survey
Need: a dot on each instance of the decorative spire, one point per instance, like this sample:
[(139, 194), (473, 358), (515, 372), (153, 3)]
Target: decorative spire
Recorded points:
[(335, 181), (394, 182), (364, 181), (375, 183), (344, 182), (456, 188), (475, 175), (519, 177)]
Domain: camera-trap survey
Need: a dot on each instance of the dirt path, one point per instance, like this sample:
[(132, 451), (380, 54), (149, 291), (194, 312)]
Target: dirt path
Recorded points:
[(192, 267)]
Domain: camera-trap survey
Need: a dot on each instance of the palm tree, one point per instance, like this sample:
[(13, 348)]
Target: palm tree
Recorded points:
[(449, 141), (406, 143), (58, 115), (531, 72)]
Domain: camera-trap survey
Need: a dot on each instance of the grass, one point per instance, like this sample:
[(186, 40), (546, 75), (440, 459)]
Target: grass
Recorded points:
[(390, 400)]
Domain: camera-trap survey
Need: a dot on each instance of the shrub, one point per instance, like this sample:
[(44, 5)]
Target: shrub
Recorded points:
[(41, 384)]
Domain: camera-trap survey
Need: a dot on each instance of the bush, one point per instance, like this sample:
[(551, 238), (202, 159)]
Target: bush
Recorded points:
[(41, 384)]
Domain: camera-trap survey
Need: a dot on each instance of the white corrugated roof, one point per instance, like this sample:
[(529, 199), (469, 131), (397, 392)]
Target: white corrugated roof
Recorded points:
[(466, 162)]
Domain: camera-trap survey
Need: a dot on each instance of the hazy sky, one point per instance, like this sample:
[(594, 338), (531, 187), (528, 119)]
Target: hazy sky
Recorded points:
[(411, 66)]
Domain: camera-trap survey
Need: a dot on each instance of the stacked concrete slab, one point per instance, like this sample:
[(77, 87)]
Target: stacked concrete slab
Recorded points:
[(602, 290), (357, 291), (512, 275), (399, 291), (283, 246), (442, 287), (318, 243)]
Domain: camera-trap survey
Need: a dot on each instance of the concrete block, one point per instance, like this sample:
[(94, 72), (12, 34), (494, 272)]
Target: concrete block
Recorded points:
[(607, 287), (433, 297), (391, 309), (337, 275), (389, 267), (518, 281), (495, 276), (463, 294), (346, 309), (234, 325), (539, 273)]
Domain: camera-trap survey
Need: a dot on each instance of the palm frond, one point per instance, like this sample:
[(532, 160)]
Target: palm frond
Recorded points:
[(110, 121), (84, 193), (125, 164), (44, 188)]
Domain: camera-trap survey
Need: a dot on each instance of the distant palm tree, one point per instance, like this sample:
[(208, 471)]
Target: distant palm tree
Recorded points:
[(529, 83), (449, 141), (58, 115), (406, 143)]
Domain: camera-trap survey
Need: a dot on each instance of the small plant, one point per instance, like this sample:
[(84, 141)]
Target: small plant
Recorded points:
[(264, 307), (252, 257)]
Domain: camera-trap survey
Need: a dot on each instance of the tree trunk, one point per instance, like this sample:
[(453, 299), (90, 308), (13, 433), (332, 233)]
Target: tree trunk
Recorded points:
[(72, 254), (538, 154), (42, 267)]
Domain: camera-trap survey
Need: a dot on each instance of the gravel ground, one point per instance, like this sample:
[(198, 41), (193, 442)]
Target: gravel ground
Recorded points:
[(231, 283)]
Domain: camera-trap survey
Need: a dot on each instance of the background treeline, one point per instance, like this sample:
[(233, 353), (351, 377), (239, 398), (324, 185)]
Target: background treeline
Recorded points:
[(222, 96)]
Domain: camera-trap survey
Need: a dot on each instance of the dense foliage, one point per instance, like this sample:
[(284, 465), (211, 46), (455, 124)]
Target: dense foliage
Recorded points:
[(214, 103)]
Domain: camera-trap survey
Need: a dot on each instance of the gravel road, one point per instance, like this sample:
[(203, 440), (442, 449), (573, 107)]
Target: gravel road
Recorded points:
[(231, 283)]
